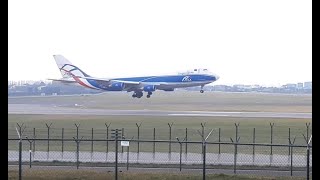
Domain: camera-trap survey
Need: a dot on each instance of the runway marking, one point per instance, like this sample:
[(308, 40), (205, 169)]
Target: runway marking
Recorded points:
[(216, 115)]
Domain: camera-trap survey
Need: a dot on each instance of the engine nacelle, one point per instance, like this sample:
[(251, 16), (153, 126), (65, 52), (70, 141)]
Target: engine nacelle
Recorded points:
[(118, 86), (149, 88), (169, 89)]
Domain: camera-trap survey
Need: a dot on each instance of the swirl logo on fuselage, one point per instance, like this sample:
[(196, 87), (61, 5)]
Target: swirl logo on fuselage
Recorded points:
[(186, 79)]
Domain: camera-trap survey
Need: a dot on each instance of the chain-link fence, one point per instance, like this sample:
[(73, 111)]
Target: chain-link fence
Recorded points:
[(214, 155)]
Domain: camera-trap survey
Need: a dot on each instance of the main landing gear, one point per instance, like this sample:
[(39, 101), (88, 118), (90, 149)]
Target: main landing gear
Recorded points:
[(149, 94), (137, 94)]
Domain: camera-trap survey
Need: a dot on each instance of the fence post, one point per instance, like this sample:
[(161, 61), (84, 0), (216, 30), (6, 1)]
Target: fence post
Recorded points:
[(48, 126), (138, 126), (77, 153), (308, 125), (291, 160), (20, 134), (237, 126), (122, 138), (204, 139), (34, 141), (202, 130), (128, 154), (202, 127), (291, 157), (30, 150), (20, 158), (308, 153), (91, 142), (180, 143), (186, 141), (116, 134), (308, 161), (154, 143), (107, 141), (235, 147), (77, 126), (128, 158), (254, 141), (170, 126), (219, 139), (116, 167), (204, 159), (62, 141), (180, 154), (271, 136), (235, 154), (289, 143)]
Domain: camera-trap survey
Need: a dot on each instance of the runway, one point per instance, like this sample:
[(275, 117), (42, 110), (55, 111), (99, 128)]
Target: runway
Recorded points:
[(78, 110)]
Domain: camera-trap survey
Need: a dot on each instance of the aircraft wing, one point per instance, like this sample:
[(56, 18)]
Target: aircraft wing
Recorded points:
[(154, 83), (112, 80), (129, 85), (97, 79), (127, 82)]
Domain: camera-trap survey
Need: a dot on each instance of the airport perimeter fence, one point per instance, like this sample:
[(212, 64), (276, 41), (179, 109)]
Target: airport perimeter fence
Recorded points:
[(179, 153)]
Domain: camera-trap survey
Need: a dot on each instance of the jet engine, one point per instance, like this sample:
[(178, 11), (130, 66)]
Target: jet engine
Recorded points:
[(149, 88)]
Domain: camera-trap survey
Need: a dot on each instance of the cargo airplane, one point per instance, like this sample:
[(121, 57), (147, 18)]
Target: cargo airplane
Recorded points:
[(71, 74)]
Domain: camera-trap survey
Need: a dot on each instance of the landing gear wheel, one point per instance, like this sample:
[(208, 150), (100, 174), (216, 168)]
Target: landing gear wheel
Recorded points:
[(139, 94), (149, 94), (201, 91)]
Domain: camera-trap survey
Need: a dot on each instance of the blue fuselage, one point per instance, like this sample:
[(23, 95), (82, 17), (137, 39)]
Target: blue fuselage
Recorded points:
[(171, 78), (159, 82)]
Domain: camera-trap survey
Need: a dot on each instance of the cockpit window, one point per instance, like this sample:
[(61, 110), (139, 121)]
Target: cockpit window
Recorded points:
[(205, 69), (195, 70)]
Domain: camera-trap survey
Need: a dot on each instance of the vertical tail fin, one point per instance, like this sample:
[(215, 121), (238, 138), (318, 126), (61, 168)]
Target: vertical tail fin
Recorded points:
[(67, 69)]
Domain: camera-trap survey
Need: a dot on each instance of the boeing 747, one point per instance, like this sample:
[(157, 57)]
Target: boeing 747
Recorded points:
[(71, 74)]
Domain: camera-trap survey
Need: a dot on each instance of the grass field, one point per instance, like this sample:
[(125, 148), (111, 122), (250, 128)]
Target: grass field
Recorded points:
[(226, 125), (182, 100), (87, 174)]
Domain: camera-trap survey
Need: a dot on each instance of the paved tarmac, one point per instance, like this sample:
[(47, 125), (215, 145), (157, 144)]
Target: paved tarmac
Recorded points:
[(78, 110)]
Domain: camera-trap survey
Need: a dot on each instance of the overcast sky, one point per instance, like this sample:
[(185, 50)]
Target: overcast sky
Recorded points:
[(266, 42)]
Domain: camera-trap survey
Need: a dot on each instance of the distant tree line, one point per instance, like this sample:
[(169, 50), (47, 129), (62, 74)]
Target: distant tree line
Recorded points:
[(48, 88)]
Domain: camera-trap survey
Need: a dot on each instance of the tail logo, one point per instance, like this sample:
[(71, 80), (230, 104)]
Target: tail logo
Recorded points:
[(66, 73), (70, 71)]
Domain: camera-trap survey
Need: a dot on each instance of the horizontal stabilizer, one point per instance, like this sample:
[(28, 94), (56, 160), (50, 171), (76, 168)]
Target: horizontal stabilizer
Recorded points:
[(64, 80)]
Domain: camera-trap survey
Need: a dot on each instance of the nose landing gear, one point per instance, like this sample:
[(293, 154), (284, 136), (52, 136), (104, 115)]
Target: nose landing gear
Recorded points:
[(201, 91)]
